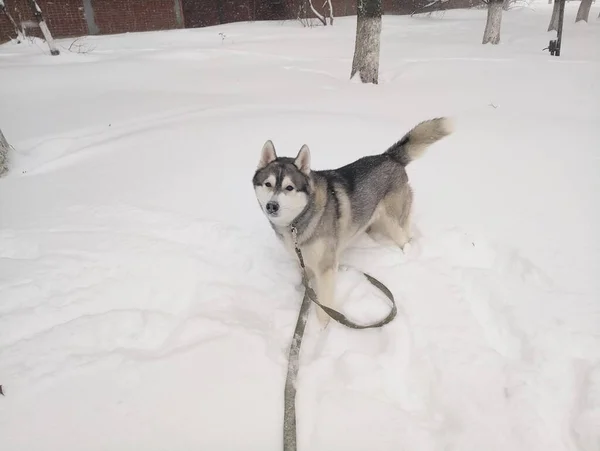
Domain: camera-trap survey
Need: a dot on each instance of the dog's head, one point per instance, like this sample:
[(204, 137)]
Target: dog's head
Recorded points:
[(282, 185)]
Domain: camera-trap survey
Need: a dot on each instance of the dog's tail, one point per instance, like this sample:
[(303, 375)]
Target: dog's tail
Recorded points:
[(416, 141)]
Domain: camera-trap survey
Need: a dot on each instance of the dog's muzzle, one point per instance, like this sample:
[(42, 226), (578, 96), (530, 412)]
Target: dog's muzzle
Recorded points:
[(272, 207)]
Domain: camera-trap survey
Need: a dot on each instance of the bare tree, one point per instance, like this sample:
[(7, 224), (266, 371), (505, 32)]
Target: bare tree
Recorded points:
[(583, 13), (3, 9), (37, 12), (307, 13), (553, 26), (320, 16), (491, 34), (330, 7), (368, 36), (4, 148)]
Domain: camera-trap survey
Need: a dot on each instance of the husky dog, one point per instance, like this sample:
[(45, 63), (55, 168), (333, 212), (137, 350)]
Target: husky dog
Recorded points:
[(330, 208)]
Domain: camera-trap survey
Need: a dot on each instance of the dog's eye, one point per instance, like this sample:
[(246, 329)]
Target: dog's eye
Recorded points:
[(289, 188), (268, 184)]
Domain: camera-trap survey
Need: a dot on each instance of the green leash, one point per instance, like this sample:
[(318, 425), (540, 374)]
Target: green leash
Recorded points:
[(289, 414)]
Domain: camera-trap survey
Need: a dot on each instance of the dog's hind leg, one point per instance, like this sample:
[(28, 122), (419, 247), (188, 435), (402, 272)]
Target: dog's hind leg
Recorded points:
[(391, 227), (394, 217)]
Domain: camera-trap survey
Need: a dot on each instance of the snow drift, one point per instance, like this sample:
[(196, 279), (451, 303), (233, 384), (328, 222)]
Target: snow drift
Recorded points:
[(146, 304)]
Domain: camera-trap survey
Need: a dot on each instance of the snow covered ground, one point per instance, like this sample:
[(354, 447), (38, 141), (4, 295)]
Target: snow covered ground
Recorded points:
[(146, 305)]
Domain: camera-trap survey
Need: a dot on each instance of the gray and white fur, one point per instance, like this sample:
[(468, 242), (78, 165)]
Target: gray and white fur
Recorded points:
[(330, 208)]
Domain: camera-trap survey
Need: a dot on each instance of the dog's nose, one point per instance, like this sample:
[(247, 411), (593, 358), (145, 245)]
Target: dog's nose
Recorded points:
[(272, 207)]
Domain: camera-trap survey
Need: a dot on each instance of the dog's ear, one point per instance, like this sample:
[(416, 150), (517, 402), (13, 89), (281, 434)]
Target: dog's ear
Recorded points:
[(267, 155), (302, 160)]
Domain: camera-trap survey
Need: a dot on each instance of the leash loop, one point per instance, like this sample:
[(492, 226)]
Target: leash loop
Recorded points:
[(289, 416)]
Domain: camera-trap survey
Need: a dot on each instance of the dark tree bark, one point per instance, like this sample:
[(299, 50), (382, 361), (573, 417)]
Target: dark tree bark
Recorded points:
[(491, 34), (553, 26), (368, 36), (583, 13), (4, 148)]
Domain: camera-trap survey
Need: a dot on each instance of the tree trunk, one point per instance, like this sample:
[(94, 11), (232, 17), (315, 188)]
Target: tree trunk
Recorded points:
[(554, 19), (12, 21), (366, 47), (4, 148), (320, 16), (37, 12), (220, 12), (583, 13), (330, 7), (494, 20)]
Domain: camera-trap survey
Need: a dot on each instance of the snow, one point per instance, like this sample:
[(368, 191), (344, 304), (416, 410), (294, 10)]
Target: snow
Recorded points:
[(146, 304)]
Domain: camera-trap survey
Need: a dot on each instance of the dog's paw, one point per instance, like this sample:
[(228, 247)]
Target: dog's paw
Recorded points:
[(406, 248)]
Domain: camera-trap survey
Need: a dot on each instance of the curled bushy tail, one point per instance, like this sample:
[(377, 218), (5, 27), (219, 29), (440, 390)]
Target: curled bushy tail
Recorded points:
[(416, 141)]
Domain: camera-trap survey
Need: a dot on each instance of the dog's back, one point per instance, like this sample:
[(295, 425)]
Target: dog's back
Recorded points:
[(377, 182)]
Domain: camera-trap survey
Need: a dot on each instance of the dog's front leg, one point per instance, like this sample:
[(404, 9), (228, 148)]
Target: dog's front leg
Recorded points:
[(325, 290), (321, 266)]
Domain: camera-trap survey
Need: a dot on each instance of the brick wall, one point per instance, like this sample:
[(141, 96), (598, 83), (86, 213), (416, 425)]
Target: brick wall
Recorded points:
[(64, 17), (348, 7), (68, 17), (201, 14), (80, 17), (19, 10), (213, 12), (416, 6), (120, 16)]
